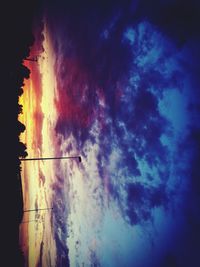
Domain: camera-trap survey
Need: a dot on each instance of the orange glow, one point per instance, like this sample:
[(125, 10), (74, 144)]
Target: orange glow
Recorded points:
[(38, 117)]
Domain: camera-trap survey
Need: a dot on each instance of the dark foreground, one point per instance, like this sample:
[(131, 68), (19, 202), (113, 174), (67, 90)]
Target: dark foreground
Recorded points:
[(16, 38)]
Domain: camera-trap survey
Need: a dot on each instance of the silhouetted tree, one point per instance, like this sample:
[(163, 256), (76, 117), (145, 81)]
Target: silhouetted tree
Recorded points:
[(22, 150), (20, 91), (20, 109), (17, 39), (20, 127), (24, 71)]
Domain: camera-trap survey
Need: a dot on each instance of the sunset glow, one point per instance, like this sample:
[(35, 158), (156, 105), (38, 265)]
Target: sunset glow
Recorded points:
[(117, 94), (39, 117)]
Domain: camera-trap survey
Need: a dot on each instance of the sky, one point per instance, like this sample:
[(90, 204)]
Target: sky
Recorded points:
[(116, 83)]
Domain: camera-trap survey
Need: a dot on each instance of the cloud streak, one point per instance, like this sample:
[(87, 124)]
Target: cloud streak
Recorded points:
[(120, 72)]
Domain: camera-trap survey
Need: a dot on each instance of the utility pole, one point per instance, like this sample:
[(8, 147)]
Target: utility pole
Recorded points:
[(73, 157), (52, 158)]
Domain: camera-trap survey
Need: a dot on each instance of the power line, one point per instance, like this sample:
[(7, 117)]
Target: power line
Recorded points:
[(52, 158), (73, 157), (37, 209)]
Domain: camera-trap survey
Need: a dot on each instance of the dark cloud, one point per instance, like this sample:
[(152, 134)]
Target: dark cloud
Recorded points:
[(58, 221), (109, 69), (94, 259), (95, 63), (106, 61), (62, 255), (141, 201), (178, 19)]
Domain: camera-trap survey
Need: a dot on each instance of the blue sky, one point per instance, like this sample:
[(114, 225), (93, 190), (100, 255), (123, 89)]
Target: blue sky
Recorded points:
[(127, 101)]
